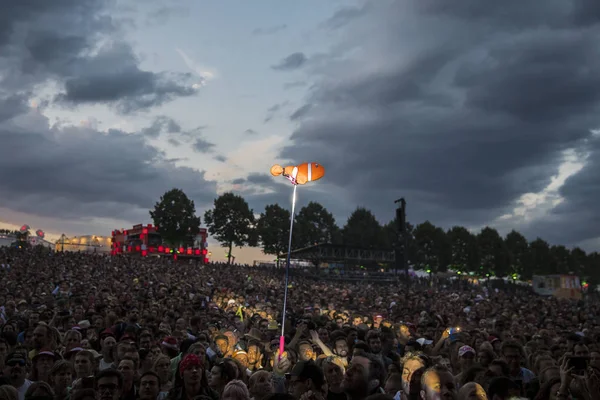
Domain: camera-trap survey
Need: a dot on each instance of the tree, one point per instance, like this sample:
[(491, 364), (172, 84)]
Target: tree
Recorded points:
[(273, 230), (494, 256), (561, 259), (392, 240), (363, 230), (434, 251), (315, 225), (591, 269), (21, 239), (520, 256), (578, 261), (390, 234), (231, 222), (175, 216), (464, 249), (541, 258)]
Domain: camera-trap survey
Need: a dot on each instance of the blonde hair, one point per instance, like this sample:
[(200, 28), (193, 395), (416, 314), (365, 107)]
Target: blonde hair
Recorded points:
[(71, 333), (157, 361), (257, 375), (237, 390)]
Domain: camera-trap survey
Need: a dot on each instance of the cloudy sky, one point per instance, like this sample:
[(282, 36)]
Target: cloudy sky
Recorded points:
[(477, 113)]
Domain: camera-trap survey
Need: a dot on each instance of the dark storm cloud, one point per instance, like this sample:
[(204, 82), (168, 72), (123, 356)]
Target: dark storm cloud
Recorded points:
[(12, 106), (238, 181), (203, 146), (260, 179), (34, 13), (80, 173), (577, 218), (74, 173), (113, 77), (161, 125), (300, 112), (274, 110), (344, 16), (291, 62), (258, 184), (270, 30), (172, 126), (275, 107), (461, 110), (295, 84), (57, 41), (220, 158)]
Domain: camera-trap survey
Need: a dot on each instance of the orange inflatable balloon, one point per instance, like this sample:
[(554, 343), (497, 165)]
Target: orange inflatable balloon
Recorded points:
[(300, 174)]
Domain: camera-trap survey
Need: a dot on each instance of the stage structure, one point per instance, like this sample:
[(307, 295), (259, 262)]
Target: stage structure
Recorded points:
[(339, 253)]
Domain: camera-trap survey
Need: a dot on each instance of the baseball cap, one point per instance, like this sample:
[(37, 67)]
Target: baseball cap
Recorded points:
[(464, 350), (16, 358), (48, 353)]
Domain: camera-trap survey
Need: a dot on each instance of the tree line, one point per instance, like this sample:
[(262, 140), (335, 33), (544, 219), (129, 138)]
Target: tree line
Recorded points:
[(428, 247)]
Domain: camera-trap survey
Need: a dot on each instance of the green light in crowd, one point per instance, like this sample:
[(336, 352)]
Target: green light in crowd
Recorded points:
[(428, 271)]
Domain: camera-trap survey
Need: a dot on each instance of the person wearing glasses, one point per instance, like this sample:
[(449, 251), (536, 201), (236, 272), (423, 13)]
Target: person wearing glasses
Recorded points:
[(15, 368), (109, 384)]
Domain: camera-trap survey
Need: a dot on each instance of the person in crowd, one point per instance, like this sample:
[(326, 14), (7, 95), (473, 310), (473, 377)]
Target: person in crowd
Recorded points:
[(334, 371), (236, 390), (438, 383), (60, 378), (149, 386), (109, 384), (16, 370), (365, 376), (306, 377), (108, 349), (42, 363), (152, 328), (221, 374), (129, 372), (193, 380), (260, 385), (161, 367), (39, 391), (84, 363)]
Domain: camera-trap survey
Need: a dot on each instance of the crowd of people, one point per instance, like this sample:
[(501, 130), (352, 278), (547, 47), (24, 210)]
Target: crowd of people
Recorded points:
[(86, 326)]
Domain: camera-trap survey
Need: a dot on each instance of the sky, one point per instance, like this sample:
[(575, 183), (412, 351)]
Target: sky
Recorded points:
[(476, 113)]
